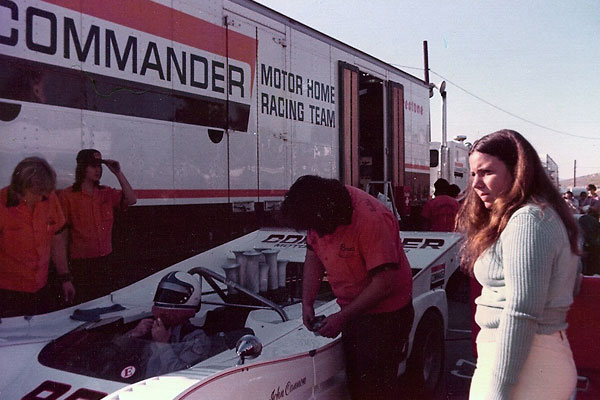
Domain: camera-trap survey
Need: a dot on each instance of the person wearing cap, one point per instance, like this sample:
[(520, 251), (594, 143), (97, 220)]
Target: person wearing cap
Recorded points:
[(439, 213), (31, 233), (175, 342), (356, 240), (89, 210)]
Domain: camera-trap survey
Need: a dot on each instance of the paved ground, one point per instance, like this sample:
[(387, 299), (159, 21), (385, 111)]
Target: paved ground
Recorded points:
[(460, 361)]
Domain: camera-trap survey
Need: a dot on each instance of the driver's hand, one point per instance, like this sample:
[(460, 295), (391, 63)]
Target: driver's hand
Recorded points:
[(160, 333), (142, 328)]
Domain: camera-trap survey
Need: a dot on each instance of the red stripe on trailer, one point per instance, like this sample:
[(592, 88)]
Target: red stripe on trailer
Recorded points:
[(206, 194), (415, 166)]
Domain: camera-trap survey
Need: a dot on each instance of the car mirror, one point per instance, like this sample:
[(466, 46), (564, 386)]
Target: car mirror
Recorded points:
[(248, 347)]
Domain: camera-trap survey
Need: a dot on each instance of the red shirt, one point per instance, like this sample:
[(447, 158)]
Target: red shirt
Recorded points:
[(90, 218), (441, 213), (25, 241), (371, 239)]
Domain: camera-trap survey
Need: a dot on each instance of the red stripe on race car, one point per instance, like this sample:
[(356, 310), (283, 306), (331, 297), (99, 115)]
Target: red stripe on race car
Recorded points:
[(437, 268), (191, 390)]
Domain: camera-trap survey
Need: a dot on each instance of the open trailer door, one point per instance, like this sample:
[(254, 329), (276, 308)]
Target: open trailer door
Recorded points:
[(396, 144), (349, 124)]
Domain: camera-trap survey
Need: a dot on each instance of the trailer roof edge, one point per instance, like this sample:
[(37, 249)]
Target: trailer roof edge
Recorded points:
[(288, 21)]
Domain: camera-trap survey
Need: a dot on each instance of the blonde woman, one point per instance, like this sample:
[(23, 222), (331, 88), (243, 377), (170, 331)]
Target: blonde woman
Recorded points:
[(31, 232)]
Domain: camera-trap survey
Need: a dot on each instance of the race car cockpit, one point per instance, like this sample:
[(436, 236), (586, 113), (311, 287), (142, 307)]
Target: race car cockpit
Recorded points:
[(102, 348)]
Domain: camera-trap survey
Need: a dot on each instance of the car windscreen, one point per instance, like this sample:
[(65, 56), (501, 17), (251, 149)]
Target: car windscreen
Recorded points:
[(107, 351)]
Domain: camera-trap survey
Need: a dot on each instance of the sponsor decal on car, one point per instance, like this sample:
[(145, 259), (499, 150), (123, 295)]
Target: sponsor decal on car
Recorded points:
[(289, 387), (438, 273)]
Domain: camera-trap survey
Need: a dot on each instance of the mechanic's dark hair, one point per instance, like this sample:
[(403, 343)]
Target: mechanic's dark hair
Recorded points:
[(441, 187), (317, 204), (530, 184), (591, 186), (453, 190)]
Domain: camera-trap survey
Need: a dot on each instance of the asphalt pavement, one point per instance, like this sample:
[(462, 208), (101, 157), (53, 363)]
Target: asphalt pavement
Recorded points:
[(460, 361)]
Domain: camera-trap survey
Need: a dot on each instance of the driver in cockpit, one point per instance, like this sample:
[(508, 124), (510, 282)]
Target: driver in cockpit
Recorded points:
[(175, 342)]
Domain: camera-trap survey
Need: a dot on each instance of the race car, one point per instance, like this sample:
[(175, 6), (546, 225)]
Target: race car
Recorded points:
[(259, 345)]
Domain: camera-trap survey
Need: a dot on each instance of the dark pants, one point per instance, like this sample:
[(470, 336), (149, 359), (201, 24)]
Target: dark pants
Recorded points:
[(14, 303), (92, 277), (373, 348)]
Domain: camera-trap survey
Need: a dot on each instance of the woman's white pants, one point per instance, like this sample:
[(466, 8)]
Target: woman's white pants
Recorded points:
[(549, 372)]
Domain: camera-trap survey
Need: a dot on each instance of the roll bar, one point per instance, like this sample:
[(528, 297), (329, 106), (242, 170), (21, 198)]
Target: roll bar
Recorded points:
[(211, 276)]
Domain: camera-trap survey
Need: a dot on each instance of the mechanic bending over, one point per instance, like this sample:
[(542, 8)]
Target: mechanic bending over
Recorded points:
[(355, 239)]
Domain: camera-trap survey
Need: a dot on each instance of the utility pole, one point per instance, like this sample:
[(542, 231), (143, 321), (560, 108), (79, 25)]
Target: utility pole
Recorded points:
[(445, 166), (426, 62), (574, 173)]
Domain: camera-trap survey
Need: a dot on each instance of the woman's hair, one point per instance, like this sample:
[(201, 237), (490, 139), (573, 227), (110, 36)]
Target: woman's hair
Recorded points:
[(33, 173), (530, 183), (317, 203)]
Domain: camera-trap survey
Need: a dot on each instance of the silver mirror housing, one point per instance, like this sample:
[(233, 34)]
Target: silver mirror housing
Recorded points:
[(248, 347)]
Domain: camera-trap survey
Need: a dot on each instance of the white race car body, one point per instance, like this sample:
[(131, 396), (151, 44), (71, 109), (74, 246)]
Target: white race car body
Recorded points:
[(44, 357)]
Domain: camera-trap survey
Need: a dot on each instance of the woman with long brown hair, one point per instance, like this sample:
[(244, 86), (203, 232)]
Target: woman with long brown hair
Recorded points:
[(522, 247)]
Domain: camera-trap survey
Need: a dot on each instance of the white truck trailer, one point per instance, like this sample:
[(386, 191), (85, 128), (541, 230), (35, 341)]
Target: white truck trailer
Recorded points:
[(450, 162), (212, 107)]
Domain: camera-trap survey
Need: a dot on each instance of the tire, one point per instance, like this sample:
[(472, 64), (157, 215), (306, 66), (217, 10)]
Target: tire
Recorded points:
[(425, 367)]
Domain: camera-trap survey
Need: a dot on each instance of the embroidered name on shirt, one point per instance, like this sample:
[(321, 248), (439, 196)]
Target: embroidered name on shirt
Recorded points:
[(369, 205), (346, 252)]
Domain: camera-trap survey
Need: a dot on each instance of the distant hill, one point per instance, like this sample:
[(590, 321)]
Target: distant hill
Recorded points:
[(581, 181)]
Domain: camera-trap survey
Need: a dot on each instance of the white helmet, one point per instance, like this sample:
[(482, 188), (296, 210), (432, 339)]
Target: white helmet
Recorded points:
[(178, 290)]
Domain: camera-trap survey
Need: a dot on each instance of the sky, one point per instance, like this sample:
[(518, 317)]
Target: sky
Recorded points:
[(531, 66)]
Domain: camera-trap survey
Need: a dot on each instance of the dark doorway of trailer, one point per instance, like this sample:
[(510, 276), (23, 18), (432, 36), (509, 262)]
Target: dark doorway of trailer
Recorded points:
[(361, 113), (371, 147)]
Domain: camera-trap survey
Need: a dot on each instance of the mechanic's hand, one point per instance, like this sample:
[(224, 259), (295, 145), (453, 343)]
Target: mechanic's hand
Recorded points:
[(160, 333), (332, 325), (113, 166), (308, 314), (68, 291), (142, 328)]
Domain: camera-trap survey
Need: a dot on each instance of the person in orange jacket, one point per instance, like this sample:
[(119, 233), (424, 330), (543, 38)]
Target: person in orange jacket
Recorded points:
[(439, 213), (31, 233), (89, 210)]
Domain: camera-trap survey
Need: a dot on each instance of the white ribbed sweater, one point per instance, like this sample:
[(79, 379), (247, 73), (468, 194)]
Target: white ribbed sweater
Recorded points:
[(528, 276)]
